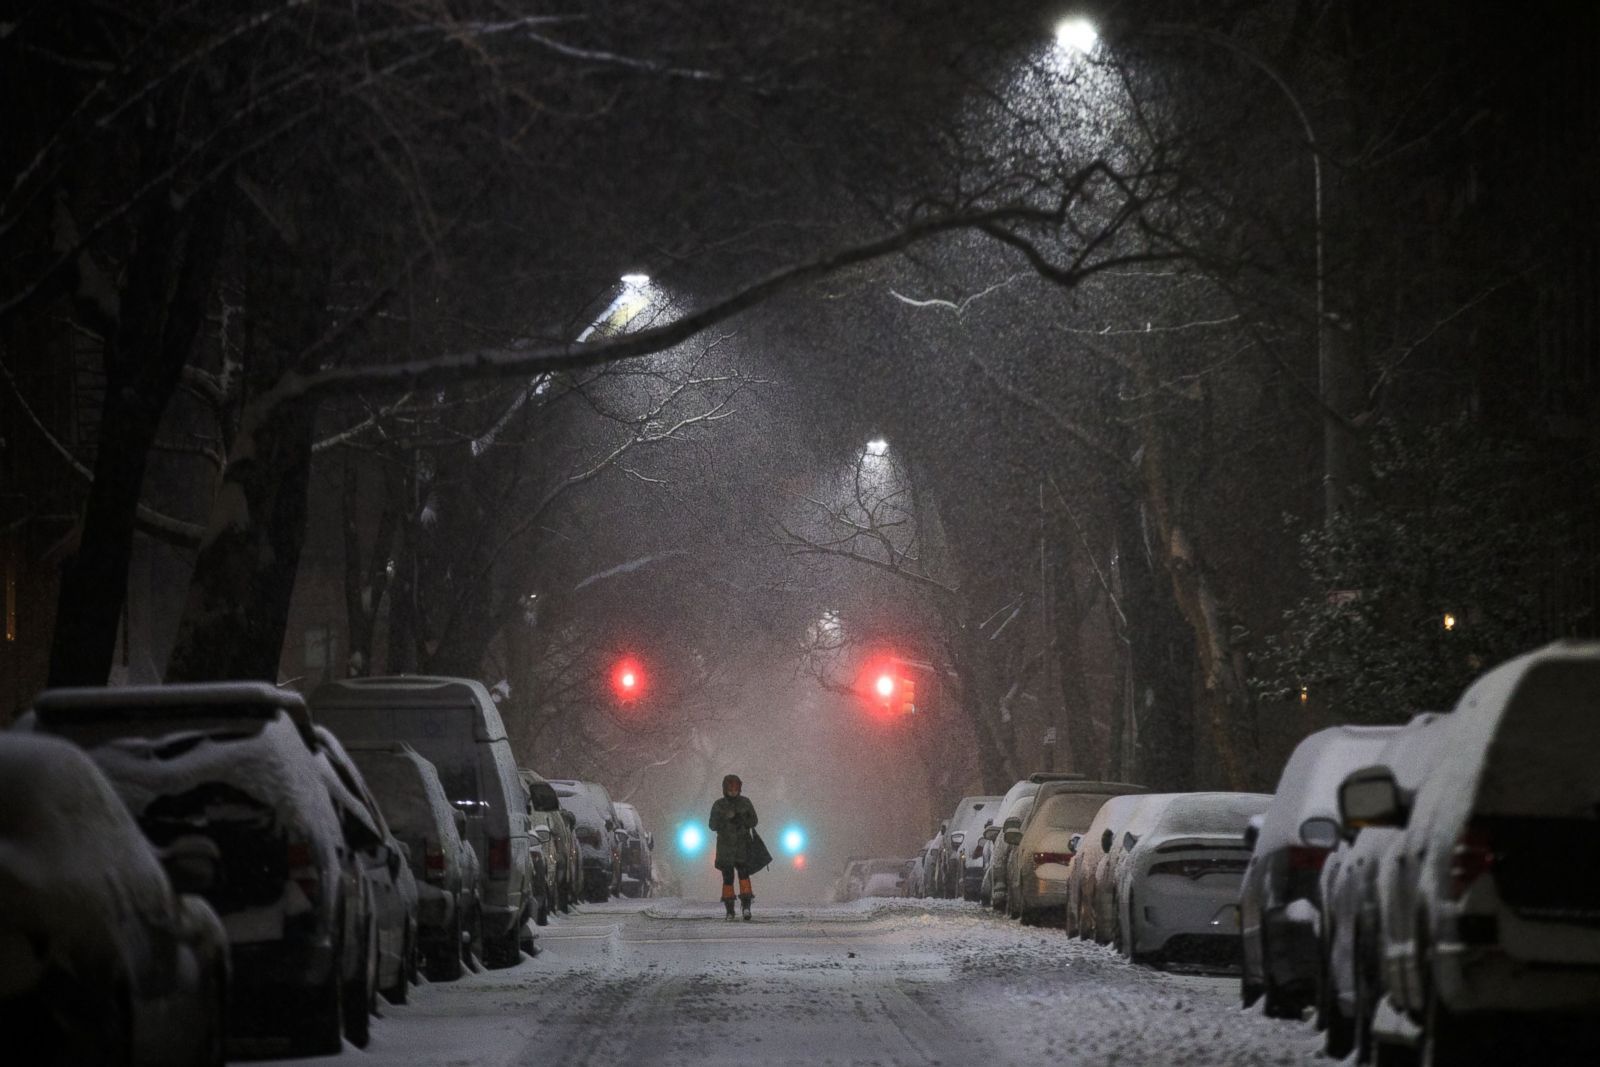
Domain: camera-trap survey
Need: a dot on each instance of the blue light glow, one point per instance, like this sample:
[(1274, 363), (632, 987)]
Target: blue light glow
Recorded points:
[(793, 840), (690, 839)]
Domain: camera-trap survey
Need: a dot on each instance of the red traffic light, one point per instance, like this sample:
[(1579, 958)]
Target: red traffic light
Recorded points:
[(885, 686), (889, 686), (627, 680)]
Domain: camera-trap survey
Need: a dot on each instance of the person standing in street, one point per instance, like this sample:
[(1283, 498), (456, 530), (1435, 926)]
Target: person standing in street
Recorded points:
[(739, 851)]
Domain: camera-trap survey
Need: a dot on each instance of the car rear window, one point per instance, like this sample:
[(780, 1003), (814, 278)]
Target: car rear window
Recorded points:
[(441, 735), (1543, 757), (1071, 811)]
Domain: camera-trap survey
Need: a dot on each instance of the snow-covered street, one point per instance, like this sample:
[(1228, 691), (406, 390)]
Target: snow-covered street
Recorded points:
[(871, 982)]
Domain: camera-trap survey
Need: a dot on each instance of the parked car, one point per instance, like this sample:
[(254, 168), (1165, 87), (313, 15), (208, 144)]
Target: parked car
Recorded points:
[(1089, 913), (106, 958), (386, 866), (883, 878), (553, 846), (233, 762), (596, 825), (442, 863), (453, 723), (1491, 916), (918, 873), (637, 844), (1350, 901), (965, 849), (1177, 887), (1005, 855), (1037, 887), (574, 856), (1280, 897), (992, 888)]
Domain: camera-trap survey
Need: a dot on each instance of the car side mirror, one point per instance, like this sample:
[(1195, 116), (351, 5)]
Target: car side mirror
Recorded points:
[(1074, 842), (459, 817), (1013, 835), (191, 863), (570, 819), (1252, 831), (991, 832), (1107, 839), (542, 833), (650, 841), (611, 824), (1320, 832), (1371, 797)]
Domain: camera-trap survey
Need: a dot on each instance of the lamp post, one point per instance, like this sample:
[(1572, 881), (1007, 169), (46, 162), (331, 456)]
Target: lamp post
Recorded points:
[(1079, 34)]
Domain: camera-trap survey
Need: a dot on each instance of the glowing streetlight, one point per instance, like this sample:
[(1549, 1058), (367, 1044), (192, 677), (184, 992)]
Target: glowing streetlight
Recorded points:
[(1077, 35), (877, 447), (691, 839), (1449, 621)]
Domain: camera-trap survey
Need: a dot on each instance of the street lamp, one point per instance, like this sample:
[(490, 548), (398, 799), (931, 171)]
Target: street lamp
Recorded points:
[(1079, 34), (877, 447)]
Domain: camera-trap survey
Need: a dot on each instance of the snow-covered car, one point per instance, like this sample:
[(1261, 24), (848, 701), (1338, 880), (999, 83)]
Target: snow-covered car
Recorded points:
[(1037, 887), (1280, 897), (995, 864), (103, 957), (233, 762), (1005, 856), (1177, 886), (567, 833), (596, 820), (966, 849), (553, 845), (385, 864), (421, 817), (935, 869), (1491, 904), (454, 724), (637, 845), (851, 881), (1089, 913), (1350, 900), (883, 878), (918, 872)]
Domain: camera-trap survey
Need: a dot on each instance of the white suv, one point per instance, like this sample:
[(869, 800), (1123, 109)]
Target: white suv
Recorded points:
[(1492, 897)]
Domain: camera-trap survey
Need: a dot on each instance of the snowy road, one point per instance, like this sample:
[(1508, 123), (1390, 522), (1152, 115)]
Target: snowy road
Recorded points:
[(875, 982)]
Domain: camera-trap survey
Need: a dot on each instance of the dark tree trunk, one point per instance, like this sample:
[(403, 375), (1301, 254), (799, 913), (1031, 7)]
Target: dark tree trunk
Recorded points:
[(238, 606), (366, 583), (161, 309)]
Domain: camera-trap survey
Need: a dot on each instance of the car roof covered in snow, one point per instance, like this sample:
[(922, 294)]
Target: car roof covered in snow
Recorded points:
[(970, 814), (1309, 785), (168, 704), (594, 791), (1220, 814), (1412, 752)]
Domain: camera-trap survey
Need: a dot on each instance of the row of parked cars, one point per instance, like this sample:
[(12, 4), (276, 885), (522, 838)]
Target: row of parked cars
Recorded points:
[(193, 871), (1431, 890)]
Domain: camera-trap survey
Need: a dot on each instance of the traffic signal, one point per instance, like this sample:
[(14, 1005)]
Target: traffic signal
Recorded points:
[(894, 691), (627, 680)]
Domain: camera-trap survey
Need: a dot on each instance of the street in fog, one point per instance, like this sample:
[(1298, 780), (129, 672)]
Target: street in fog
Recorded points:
[(871, 982)]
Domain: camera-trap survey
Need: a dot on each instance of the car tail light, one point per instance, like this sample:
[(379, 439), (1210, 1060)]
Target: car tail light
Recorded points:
[(303, 869), (1472, 857), (977, 851), (500, 856), (433, 864), (1302, 858), (1051, 857)]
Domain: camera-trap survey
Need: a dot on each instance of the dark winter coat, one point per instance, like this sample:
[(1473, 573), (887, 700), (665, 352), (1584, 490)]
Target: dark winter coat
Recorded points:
[(732, 819)]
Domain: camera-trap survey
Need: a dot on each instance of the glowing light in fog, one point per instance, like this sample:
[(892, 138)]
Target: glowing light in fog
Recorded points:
[(793, 840), (1077, 34), (799, 863), (690, 839), (885, 685)]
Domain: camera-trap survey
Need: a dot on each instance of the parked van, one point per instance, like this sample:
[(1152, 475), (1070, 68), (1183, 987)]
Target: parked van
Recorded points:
[(453, 723)]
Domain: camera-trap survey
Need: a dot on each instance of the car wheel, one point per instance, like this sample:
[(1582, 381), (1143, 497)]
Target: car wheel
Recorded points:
[(320, 1025), (503, 950), (1366, 989), (214, 1050), (396, 993), (444, 958), (358, 995)]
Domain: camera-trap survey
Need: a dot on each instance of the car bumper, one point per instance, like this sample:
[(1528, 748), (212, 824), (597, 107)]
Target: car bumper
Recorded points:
[(436, 908), (1168, 906), (1478, 978)]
